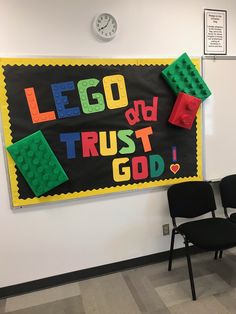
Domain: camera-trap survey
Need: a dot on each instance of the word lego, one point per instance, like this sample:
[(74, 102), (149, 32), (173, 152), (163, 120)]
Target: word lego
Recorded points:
[(83, 86)]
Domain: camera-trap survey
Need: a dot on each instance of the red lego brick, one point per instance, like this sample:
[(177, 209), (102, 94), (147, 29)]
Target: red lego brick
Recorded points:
[(184, 110)]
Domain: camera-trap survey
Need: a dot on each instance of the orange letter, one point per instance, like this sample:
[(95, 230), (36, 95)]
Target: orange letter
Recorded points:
[(36, 116), (143, 134)]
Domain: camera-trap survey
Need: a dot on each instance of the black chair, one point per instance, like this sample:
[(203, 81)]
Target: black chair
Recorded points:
[(228, 195), (191, 200)]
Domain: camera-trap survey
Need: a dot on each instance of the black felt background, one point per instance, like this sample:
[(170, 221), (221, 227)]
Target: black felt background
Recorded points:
[(142, 82)]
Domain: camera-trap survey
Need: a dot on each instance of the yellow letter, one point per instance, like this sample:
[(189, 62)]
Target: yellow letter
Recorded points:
[(120, 174), (122, 101), (104, 149)]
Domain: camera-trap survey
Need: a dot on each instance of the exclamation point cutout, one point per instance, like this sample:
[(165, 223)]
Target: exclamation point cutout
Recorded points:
[(174, 167)]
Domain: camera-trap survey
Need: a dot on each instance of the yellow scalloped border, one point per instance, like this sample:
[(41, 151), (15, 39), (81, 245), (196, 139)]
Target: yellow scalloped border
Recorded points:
[(16, 201)]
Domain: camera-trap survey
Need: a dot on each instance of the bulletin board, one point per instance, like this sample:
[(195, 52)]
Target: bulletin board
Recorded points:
[(106, 120)]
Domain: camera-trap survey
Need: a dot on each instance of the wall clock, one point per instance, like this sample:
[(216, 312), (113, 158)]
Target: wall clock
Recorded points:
[(105, 26)]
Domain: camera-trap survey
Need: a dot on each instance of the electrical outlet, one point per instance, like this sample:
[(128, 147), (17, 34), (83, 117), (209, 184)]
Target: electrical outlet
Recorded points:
[(166, 229)]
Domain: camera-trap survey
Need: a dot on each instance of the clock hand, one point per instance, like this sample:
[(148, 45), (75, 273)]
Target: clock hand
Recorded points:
[(104, 25)]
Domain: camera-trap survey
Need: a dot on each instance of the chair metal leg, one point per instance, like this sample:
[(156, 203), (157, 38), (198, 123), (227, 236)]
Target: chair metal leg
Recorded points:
[(171, 249), (221, 253), (216, 255), (190, 270)]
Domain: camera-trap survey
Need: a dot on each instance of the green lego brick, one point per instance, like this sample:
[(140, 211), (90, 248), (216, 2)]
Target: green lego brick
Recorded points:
[(37, 163), (182, 76)]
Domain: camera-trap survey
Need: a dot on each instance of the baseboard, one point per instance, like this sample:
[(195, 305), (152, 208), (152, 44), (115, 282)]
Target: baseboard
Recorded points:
[(89, 273)]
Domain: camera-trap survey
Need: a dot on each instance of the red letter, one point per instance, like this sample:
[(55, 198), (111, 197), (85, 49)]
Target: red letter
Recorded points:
[(34, 108), (139, 162), (150, 112), (132, 114), (143, 134), (89, 139)]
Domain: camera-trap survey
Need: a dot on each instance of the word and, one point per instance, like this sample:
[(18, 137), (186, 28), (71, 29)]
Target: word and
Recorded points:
[(149, 113)]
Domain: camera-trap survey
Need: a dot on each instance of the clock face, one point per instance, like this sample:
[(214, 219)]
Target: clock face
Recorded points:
[(105, 26)]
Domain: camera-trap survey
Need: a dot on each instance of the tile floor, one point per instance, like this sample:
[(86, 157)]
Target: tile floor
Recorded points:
[(145, 290)]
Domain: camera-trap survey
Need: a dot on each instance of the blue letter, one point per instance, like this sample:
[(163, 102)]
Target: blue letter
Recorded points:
[(70, 139), (61, 101)]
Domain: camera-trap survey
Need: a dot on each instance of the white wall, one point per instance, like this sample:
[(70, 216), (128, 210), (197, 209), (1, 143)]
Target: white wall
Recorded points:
[(52, 239)]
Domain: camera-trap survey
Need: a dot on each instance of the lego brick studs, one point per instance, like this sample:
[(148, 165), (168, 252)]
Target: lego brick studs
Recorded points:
[(184, 110), (182, 76), (37, 163)]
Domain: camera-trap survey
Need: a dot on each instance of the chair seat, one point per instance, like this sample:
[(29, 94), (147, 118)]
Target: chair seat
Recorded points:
[(233, 217), (210, 233)]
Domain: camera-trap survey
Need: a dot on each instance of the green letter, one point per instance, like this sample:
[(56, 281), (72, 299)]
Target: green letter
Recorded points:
[(124, 136), (157, 165), (83, 86)]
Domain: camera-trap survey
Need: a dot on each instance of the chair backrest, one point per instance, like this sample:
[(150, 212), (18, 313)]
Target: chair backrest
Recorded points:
[(228, 191), (191, 199)]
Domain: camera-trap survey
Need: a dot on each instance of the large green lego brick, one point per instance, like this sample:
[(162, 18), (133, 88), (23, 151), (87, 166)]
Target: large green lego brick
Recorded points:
[(37, 163), (182, 76)]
